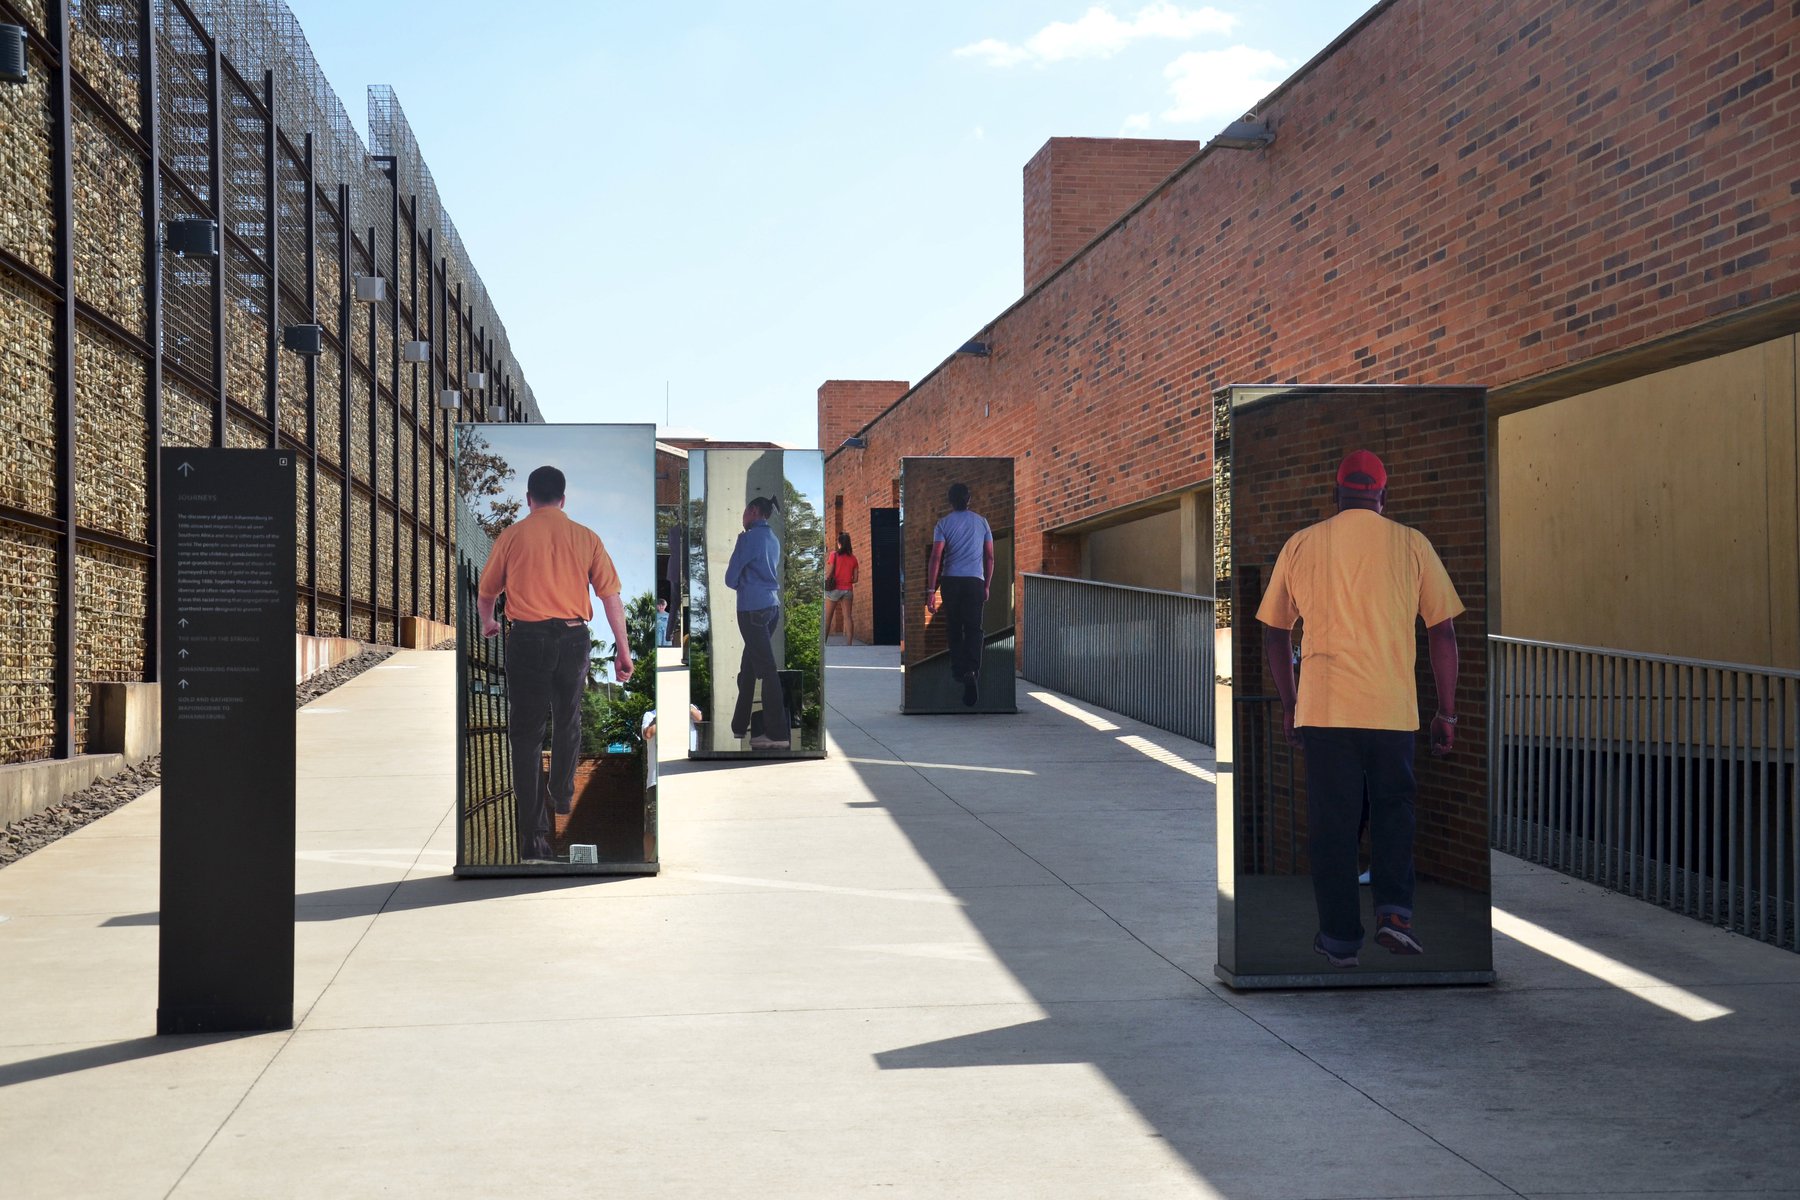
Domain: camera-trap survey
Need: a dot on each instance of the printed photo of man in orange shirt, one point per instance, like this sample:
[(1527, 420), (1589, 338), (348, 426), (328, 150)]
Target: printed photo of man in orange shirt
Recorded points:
[(1356, 583), (545, 565)]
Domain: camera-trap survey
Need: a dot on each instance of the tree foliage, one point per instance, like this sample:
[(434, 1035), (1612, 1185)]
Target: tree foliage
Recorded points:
[(481, 476)]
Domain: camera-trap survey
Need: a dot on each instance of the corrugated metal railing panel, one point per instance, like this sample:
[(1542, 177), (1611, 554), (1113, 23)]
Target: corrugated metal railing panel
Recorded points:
[(1144, 653), (1669, 779)]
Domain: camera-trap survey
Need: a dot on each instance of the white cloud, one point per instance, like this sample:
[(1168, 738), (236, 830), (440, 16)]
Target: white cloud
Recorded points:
[(1099, 33), (1208, 85), (1136, 123)]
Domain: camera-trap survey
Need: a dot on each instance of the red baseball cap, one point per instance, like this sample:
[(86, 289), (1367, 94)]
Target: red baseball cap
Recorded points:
[(1361, 471)]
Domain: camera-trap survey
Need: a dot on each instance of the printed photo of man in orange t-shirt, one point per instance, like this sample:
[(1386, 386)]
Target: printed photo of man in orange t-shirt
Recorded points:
[(545, 565), (1356, 583)]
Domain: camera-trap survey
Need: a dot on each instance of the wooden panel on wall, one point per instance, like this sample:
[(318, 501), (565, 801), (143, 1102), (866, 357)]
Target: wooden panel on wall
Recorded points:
[(1659, 515)]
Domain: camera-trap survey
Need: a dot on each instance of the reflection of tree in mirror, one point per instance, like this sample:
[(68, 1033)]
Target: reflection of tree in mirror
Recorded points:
[(803, 595), (802, 550), (481, 475), (611, 714)]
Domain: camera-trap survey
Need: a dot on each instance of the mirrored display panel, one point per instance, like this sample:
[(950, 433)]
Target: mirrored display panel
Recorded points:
[(556, 656), (756, 597), (958, 637), (1358, 856)]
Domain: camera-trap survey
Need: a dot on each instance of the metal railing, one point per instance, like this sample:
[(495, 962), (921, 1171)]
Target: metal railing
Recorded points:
[(1670, 779), (1144, 653)]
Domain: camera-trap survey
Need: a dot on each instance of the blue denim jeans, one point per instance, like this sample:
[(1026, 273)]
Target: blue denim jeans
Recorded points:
[(1340, 764)]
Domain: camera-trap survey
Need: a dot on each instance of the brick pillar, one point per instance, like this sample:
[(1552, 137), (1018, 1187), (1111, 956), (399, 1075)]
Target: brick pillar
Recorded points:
[(846, 405), (1076, 187)]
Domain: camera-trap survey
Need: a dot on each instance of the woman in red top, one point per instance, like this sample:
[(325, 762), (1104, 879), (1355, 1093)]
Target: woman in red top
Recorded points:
[(840, 580)]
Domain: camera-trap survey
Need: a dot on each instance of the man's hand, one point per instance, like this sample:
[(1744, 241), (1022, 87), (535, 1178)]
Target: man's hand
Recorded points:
[(622, 665), (987, 589), (931, 603), (1443, 736), (490, 628), (1287, 727)]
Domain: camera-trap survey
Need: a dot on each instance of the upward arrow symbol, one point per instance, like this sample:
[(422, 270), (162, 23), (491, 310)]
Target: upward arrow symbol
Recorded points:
[(182, 623), (184, 654), (186, 469)]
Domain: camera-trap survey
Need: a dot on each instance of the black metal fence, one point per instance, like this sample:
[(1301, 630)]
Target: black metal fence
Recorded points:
[(487, 831), (1144, 653), (1670, 779)]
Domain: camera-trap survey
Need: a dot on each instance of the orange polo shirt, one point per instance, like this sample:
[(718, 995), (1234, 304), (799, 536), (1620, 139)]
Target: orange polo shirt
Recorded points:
[(1357, 581), (545, 565)]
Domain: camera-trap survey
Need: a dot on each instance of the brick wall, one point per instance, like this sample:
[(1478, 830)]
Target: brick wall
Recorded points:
[(846, 405), (1284, 457), (1076, 187), (1478, 194)]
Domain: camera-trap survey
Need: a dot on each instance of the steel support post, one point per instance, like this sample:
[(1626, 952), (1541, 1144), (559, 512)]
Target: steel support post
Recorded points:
[(312, 395), (150, 121), (346, 371), (215, 136), (271, 277), (412, 266), (374, 467), (63, 197)]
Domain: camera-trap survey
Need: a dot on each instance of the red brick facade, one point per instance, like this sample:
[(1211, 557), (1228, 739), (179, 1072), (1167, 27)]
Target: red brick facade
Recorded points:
[(1481, 194), (1076, 187), (846, 405)]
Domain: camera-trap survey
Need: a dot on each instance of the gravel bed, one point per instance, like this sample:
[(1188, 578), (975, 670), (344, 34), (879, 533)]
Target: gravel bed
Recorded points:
[(104, 795)]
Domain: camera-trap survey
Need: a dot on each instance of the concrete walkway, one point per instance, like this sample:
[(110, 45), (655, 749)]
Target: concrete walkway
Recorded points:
[(962, 957)]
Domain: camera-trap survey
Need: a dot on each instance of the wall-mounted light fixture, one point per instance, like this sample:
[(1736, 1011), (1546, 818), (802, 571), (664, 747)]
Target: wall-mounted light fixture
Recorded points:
[(370, 289), (196, 237), (977, 349), (416, 352), (1244, 135), (14, 66), (450, 399), (476, 380), (855, 443), (496, 412), (305, 340)]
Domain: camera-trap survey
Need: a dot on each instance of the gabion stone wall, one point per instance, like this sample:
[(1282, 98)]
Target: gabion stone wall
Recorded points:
[(165, 351)]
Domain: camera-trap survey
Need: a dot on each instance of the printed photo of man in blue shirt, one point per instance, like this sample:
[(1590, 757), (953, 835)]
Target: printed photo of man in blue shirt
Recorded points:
[(754, 573)]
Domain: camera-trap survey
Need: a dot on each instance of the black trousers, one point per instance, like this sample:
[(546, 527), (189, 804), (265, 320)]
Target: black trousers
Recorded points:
[(758, 627), (1340, 764), (963, 600), (546, 669)]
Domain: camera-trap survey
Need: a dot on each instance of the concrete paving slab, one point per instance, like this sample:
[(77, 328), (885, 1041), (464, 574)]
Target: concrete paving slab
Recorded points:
[(1072, 787), (862, 978), (747, 951), (1117, 846), (722, 1106), (878, 851), (119, 1119)]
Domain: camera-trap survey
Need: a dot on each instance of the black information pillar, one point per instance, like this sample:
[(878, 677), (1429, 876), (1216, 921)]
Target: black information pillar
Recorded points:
[(227, 607)]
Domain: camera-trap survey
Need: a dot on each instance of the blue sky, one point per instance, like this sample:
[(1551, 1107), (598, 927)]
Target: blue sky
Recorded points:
[(741, 201)]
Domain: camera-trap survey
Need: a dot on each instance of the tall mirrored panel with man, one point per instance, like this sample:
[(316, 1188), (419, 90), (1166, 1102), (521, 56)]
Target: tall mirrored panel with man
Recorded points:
[(556, 647), (1353, 777), (956, 530)]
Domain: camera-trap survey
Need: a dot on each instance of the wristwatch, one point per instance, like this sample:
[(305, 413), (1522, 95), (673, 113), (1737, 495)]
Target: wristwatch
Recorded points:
[(1446, 720)]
